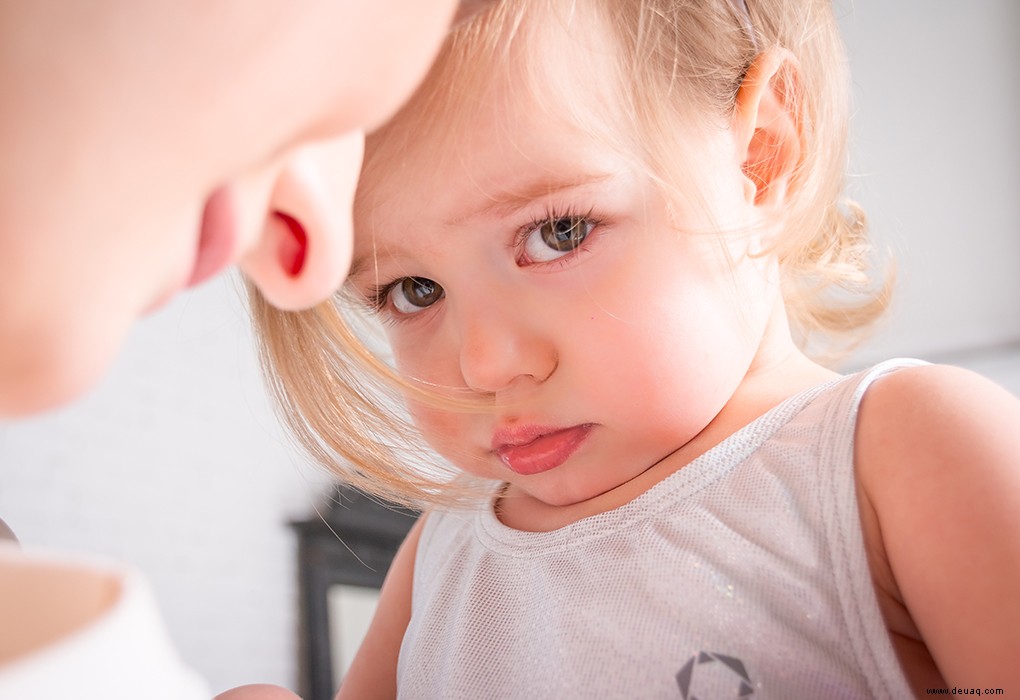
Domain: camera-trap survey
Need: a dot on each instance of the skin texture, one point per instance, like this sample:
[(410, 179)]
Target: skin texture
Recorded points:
[(527, 326), (635, 334), (257, 691), (131, 116), (938, 467), (578, 340), (129, 129)]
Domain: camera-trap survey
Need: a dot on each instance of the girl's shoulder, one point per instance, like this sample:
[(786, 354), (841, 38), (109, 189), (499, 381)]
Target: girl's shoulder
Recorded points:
[(937, 460), (927, 427)]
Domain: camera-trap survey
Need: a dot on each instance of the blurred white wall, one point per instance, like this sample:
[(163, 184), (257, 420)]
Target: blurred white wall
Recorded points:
[(936, 158), (176, 464)]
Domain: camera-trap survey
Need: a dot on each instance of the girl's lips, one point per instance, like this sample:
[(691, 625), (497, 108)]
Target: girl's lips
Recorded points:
[(533, 450), (216, 240)]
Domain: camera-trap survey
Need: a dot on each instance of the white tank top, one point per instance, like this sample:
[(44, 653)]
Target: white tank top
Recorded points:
[(742, 575)]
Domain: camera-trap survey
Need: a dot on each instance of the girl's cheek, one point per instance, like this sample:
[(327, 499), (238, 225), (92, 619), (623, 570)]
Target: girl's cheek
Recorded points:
[(428, 359), (436, 425), (447, 433)]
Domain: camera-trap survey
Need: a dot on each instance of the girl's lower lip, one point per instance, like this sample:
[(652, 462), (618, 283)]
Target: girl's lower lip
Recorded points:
[(544, 452), (216, 239)]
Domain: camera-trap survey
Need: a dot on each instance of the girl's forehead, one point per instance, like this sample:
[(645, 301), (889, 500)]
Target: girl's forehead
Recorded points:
[(497, 165), (501, 89), (511, 104)]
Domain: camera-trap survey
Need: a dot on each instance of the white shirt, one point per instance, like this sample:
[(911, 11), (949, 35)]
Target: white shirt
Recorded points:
[(122, 652)]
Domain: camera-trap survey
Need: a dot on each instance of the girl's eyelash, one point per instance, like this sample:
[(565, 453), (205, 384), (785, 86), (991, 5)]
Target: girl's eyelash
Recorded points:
[(552, 214), (377, 299), (377, 296)]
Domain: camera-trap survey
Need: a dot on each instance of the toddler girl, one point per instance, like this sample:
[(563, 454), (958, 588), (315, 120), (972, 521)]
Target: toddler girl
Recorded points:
[(599, 237)]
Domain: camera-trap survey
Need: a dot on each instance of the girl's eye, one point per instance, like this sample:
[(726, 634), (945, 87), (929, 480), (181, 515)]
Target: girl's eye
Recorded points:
[(556, 237), (413, 294)]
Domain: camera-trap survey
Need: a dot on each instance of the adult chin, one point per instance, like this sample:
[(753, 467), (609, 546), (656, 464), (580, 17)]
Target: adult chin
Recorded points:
[(45, 370)]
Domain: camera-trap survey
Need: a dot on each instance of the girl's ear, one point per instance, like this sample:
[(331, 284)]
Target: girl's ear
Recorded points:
[(768, 125)]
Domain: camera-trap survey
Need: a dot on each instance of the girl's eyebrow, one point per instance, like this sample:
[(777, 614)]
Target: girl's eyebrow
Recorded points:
[(507, 202), (360, 263), (501, 205)]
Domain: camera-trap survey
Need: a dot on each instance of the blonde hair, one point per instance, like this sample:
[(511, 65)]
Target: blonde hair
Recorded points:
[(674, 56)]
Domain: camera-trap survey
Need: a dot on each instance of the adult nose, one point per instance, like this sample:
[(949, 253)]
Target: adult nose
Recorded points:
[(503, 350), (304, 251)]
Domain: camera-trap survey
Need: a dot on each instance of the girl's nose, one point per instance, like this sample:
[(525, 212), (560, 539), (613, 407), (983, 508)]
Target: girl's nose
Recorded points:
[(500, 351), (304, 251)]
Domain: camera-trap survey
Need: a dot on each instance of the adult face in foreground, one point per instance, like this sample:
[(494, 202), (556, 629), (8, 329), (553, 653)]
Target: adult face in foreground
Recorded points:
[(147, 146)]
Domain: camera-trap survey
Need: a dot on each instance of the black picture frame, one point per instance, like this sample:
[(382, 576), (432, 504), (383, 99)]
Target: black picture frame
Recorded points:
[(353, 544)]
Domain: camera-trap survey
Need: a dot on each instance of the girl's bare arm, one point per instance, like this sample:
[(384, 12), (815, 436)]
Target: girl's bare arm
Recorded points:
[(373, 673), (938, 464)]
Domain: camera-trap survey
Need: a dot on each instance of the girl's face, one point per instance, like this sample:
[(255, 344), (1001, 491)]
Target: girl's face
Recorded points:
[(147, 145), (536, 266)]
